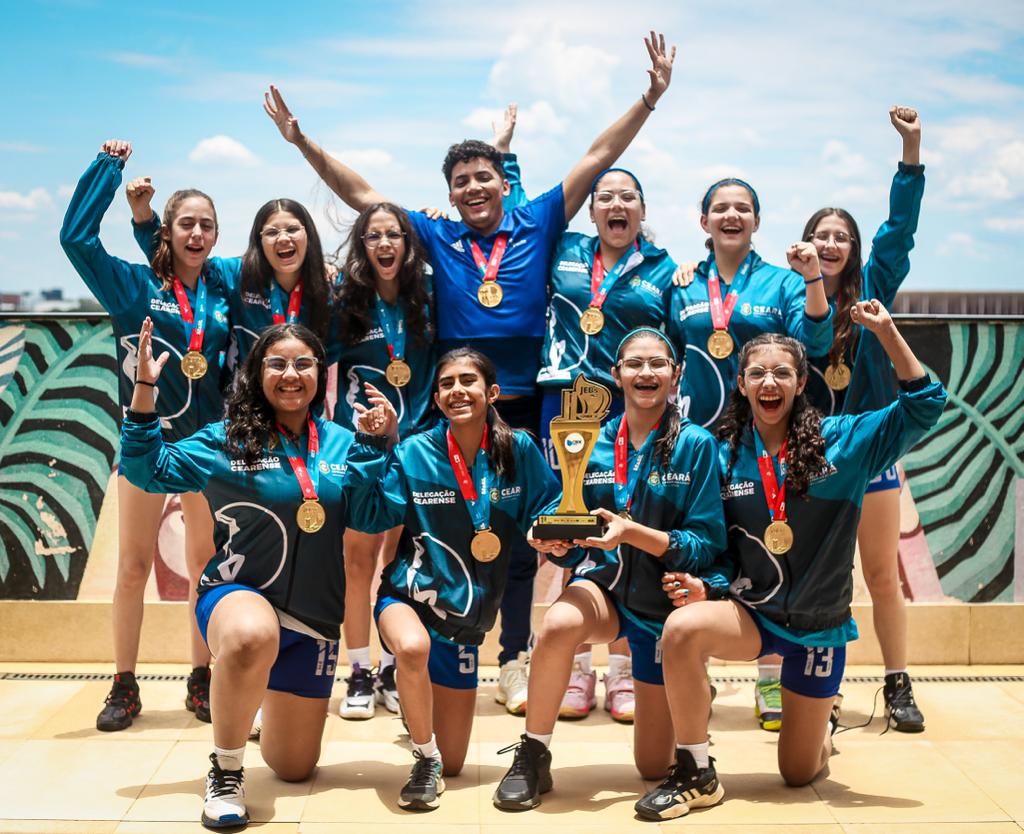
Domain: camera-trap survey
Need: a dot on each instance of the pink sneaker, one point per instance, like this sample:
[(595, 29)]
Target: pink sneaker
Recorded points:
[(579, 698), (619, 699)]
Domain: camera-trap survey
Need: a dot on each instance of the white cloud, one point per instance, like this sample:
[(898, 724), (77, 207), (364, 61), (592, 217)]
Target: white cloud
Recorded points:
[(34, 200), (960, 245), (538, 119), (222, 150), (144, 60), (364, 158), (1006, 224), (65, 191), (843, 162), (21, 147)]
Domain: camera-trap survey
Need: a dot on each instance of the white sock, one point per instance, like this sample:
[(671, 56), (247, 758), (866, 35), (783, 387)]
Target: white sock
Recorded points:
[(428, 750), (769, 672), (698, 751), (386, 659), (618, 664), (359, 657), (584, 659), (229, 759), (543, 738), (902, 671)]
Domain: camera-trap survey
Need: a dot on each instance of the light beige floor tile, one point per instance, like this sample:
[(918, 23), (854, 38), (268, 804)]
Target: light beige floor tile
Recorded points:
[(7, 749), (997, 768), (950, 708), (879, 781), (26, 705), (1013, 689), (419, 824), (57, 826), (931, 828), (77, 779)]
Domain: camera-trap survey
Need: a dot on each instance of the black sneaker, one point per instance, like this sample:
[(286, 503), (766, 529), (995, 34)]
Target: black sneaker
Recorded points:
[(900, 708), (198, 698), (386, 689), (527, 779), (224, 805), (686, 787), (359, 702), (425, 785), (123, 704)]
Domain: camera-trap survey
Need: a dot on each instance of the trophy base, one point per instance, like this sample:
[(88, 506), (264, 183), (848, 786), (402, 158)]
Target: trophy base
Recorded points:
[(568, 526)]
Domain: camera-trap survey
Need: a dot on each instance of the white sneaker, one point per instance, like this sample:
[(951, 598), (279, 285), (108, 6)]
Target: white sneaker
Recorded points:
[(359, 701), (224, 806), (386, 690), (512, 685)]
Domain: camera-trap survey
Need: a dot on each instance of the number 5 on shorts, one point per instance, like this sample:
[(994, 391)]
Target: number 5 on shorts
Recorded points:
[(467, 661)]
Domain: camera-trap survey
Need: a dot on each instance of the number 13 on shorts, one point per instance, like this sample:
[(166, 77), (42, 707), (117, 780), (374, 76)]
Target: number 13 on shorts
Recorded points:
[(819, 662)]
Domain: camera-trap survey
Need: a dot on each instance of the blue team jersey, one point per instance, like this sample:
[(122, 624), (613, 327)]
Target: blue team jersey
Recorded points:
[(434, 570), (367, 361), (510, 334), (638, 298), (130, 292), (805, 594), (682, 499), (254, 508), (771, 300), (872, 381)]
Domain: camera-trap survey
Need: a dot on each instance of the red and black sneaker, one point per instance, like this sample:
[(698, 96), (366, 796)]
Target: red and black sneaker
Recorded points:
[(122, 705), (198, 698)]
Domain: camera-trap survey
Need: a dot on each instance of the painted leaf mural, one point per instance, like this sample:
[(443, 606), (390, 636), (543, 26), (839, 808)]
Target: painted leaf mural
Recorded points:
[(58, 440), (963, 474)]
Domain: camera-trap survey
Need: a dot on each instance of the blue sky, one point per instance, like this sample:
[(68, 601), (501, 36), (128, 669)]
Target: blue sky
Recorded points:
[(792, 96)]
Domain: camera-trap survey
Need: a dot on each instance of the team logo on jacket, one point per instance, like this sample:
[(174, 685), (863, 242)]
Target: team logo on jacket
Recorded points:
[(495, 495), (654, 479), (217, 314), (442, 570), (634, 282), (238, 518), (746, 309)]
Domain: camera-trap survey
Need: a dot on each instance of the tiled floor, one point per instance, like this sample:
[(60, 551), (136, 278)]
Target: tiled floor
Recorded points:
[(965, 774)]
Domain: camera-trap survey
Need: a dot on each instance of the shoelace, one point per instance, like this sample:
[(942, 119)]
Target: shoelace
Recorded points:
[(522, 761), (423, 773), (223, 782), (361, 683), (120, 692)]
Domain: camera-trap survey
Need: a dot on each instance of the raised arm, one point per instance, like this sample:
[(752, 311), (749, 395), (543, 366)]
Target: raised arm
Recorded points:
[(908, 125), (354, 191), (609, 146), (876, 318)]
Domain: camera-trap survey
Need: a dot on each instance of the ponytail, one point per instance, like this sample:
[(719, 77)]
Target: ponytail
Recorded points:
[(162, 261)]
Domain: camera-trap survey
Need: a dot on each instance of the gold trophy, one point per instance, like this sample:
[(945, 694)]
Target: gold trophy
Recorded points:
[(573, 434)]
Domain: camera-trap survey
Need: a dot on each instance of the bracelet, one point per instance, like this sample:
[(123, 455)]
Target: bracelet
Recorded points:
[(143, 382), (814, 280), (647, 104)]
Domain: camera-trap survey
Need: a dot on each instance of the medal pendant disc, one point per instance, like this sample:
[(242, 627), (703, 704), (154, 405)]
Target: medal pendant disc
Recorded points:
[(490, 293), (485, 546), (592, 321), (625, 514), (720, 344), (778, 537), (310, 516), (837, 377), (398, 373), (194, 365)]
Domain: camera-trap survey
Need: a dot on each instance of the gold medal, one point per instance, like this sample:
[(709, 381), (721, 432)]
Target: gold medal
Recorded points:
[(592, 321), (720, 344), (194, 365), (398, 373), (490, 293), (310, 516), (837, 377), (624, 514), (778, 537), (485, 546)]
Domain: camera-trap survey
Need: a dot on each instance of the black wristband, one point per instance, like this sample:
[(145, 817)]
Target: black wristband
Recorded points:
[(647, 104), (143, 382), (375, 440), (916, 384), (813, 280), (142, 417)]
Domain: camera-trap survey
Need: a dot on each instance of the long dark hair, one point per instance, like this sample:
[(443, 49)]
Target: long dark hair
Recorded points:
[(501, 440), (162, 261), (851, 283), (251, 424), (358, 290), (805, 456), (668, 433), (258, 274)]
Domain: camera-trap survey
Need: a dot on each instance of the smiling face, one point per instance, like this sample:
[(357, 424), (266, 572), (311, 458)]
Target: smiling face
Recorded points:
[(646, 372), (284, 242), (385, 245), (833, 238), (289, 391), (192, 233), (476, 191), (730, 219), (617, 209), (463, 394), (771, 383)]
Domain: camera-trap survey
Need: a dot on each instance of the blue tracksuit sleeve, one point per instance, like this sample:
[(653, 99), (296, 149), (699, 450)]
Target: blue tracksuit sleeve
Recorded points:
[(694, 547), (153, 465), (889, 262), (719, 576), (145, 235), (516, 195), (376, 484), (540, 487), (110, 279), (815, 334)]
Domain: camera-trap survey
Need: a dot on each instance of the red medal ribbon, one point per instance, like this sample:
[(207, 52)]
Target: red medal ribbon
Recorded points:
[(490, 267), (195, 341), (774, 492), (298, 463), (597, 276), (459, 467), (294, 306), (720, 313), (622, 486)]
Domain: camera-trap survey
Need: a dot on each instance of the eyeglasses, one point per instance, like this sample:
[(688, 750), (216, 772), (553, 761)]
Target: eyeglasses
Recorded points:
[(373, 239), (841, 238), (272, 233), (627, 197), (780, 373), (657, 364), (278, 364)]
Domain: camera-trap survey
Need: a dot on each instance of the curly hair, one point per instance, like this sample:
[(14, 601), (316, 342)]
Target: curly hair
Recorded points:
[(251, 423), (668, 432), (258, 274), (501, 439), (162, 259), (358, 291), (851, 283), (805, 457), (469, 149)]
